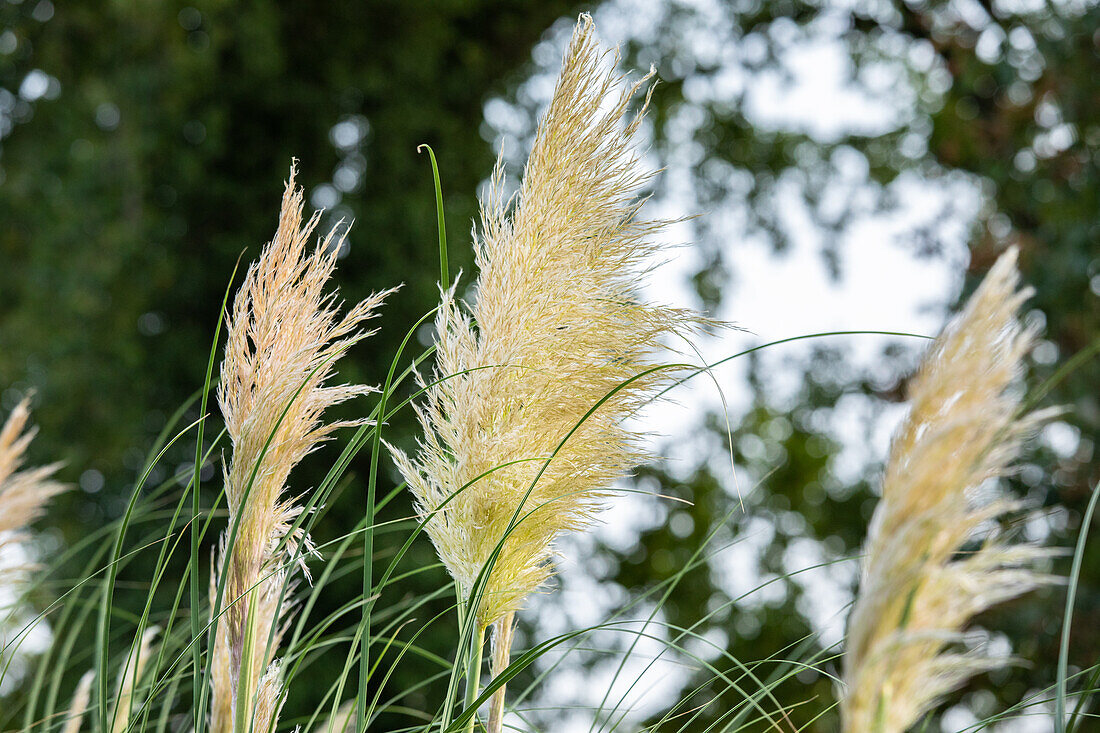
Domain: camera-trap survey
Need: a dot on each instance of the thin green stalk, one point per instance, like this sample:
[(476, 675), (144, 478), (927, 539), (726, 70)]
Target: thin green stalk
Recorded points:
[(368, 538), (368, 535), (473, 673), (198, 690), (103, 624), (444, 270), (1067, 619), (463, 617), (1086, 693)]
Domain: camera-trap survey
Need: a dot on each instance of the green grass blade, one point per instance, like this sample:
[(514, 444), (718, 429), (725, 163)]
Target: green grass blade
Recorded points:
[(444, 270), (198, 692), (1067, 618)]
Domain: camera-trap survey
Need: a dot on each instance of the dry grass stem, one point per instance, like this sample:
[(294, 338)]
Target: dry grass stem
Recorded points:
[(284, 338), (934, 558)]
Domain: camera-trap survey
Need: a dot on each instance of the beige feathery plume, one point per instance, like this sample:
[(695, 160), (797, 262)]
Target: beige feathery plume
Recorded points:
[(131, 673), (557, 326), (23, 496), (342, 721), (23, 493), (932, 562), (81, 697), (284, 336)]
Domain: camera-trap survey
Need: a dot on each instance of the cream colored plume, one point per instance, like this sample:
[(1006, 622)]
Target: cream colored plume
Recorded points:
[(129, 676), (932, 561), (79, 705), (557, 325), (23, 496), (23, 493), (284, 337)]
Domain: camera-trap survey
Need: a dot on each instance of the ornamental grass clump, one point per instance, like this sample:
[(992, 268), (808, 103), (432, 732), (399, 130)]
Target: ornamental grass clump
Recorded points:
[(284, 336), (934, 558), (524, 432)]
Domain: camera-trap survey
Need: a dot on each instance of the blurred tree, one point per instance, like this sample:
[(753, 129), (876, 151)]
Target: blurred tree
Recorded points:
[(144, 151)]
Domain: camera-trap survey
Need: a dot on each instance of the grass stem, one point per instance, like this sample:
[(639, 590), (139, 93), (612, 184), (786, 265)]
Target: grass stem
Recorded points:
[(502, 652), (244, 704), (473, 674)]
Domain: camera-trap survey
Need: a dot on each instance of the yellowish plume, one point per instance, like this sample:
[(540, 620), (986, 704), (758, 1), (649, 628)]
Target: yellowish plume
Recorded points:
[(284, 337), (933, 558), (524, 427), (557, 325)]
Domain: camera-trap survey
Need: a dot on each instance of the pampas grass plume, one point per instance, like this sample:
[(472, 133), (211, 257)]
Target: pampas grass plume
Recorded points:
[(284, 336), (23, 492), (510, 457), (932, 561), (79, 705), (557, 326)]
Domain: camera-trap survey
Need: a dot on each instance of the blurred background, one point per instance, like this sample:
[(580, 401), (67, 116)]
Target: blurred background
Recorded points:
[(853, 165)]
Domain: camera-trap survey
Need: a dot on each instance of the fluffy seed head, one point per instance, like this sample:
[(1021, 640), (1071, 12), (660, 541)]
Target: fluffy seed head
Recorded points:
[(284, 336), (79, 705), (130, 674), (23, 493), (932, 561), (23, 496), (557, 326)]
